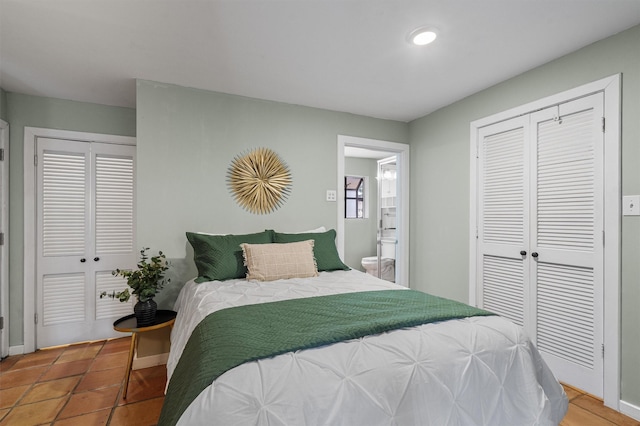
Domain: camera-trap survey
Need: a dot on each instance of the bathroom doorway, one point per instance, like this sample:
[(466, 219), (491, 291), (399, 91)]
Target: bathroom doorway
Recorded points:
[(379, 239)]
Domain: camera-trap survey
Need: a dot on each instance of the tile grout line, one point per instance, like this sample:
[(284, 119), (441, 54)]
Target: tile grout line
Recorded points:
[(47, 367), (112, 411), (82, 376), (113, 406), (33, 384)]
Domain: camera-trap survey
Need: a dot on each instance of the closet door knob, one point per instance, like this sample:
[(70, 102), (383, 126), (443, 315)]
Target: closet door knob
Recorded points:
[(523, 253), (534, 254), (83, 260), (95, 259)]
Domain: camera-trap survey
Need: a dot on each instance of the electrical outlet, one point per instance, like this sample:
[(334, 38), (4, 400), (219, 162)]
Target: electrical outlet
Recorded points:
[(331, 195), (631, 205)]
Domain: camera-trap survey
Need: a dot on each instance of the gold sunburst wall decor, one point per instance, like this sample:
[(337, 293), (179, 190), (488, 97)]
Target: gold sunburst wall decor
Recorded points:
[(259, 180)]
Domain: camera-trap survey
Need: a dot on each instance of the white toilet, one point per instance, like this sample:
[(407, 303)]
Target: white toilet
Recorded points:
[(387, 261)]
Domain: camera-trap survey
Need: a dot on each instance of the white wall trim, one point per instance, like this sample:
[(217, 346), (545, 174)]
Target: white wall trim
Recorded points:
[(473, 213), (4, 227), (611, 88), (630, 410), (402, 152), (16, 350), (613, 231), (31, 135), (149, 361)]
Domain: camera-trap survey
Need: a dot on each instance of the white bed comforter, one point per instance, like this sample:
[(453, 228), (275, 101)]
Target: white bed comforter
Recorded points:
[(473, 371)]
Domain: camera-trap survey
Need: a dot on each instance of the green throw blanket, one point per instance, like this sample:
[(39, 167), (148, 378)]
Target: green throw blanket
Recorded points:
[(233, 336)]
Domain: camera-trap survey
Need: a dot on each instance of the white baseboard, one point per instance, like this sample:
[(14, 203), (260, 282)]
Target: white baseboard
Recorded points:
[(150, 361), (16, 350), (630, 410)]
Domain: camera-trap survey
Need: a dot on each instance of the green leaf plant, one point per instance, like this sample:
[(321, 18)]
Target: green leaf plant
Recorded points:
[(145, 281)]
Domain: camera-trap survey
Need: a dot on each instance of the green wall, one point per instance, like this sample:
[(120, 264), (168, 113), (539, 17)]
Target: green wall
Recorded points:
[(440, 153), (34, 111), (360, 234), (186, 140)]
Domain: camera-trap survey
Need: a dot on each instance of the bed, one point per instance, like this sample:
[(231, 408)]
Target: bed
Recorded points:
[(477, 369)]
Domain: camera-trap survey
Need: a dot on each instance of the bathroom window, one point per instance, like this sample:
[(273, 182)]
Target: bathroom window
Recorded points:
[(354, 194)]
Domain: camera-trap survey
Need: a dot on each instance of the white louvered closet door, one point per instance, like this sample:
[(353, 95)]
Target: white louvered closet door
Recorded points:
[(540, 233), (567, 228), (503, 164), (85, 224)]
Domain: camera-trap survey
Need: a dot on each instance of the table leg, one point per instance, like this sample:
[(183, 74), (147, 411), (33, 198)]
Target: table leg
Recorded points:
[(132, 349)]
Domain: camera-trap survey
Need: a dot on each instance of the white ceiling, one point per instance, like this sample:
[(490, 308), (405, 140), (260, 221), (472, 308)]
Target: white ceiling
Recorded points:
[(343, 55)]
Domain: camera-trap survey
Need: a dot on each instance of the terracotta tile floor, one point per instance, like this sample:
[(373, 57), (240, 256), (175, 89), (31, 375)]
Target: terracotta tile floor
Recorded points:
[(81, 385)]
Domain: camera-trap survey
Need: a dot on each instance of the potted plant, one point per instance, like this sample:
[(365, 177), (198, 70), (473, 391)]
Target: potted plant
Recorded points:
[(144, 283)]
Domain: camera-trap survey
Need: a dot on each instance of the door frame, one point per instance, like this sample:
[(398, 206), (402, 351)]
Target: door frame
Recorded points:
[(402, 154), (610, 87), (4, 251), (31, 135)]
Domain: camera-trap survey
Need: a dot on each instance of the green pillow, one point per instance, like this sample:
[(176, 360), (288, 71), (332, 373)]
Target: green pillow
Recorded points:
[(324, 248), (219, 257)]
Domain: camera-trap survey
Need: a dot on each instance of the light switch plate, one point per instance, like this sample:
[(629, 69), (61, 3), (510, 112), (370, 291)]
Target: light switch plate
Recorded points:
[(631, 205), (331, 195)]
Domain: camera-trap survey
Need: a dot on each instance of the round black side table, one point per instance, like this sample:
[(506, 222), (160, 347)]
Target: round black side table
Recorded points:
[(129, 324)]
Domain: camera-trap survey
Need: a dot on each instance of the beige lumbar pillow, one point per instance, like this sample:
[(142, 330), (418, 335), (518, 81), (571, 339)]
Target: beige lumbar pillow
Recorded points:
[(269, 262)]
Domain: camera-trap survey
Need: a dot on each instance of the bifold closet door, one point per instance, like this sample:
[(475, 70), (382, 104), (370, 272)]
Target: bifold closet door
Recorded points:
[(540, 233), (503, 219), (567, 227), (85, 219)]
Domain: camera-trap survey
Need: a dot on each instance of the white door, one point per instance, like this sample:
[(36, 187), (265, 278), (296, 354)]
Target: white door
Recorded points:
[(567, 245), (4, 239), (503, 236), (540, 246), (85, 218), (387, 238)]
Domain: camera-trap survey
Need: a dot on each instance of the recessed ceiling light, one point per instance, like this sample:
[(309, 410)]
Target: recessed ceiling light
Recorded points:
[(422, 36)]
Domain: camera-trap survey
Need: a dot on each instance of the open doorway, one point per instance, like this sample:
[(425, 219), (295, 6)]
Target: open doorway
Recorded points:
[(350, 237)]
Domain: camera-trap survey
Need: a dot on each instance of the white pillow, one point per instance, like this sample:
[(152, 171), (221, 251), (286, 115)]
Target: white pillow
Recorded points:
[(269, 262)]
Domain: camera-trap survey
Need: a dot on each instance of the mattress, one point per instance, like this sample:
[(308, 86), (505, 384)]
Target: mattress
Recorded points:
[(471, 371)]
